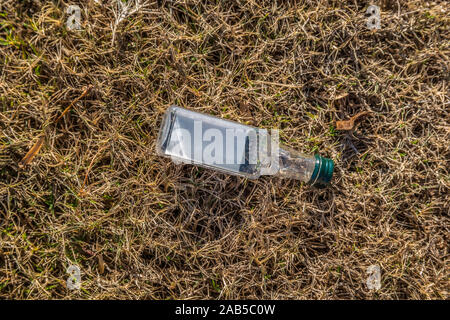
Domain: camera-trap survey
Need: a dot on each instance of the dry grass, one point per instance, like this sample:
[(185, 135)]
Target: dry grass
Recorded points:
[(140, 227)]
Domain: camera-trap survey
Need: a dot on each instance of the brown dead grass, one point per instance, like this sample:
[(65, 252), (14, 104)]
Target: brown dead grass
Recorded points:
[(140, 227)]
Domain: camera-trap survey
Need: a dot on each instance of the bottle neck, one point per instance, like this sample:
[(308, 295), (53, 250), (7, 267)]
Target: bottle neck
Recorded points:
[(289, 163)]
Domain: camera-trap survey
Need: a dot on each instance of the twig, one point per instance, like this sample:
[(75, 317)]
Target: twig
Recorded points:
[(81, 193), (73, 102)]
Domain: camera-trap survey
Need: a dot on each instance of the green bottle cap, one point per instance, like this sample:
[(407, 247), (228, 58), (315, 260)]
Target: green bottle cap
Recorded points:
[(323, 172)]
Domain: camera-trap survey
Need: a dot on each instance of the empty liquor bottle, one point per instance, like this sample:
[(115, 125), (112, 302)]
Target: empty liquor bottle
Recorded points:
[(230, 147)]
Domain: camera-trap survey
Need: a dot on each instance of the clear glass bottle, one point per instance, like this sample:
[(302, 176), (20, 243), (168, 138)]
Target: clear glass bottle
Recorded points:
[(230, 147)]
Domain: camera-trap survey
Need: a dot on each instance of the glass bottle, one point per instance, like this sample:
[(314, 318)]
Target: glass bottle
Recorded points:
[(230, 147)]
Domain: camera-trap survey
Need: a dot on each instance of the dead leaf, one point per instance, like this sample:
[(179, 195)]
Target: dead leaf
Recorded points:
[(33, 151), (350, 124)]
